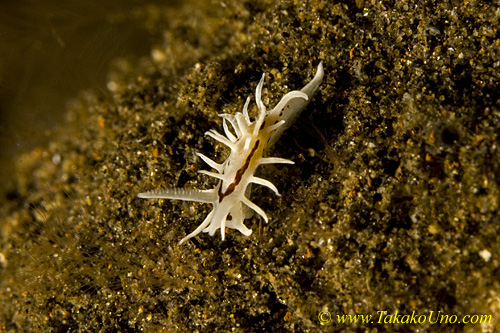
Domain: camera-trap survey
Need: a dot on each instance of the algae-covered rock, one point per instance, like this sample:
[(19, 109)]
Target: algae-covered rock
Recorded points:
[(391, 209)]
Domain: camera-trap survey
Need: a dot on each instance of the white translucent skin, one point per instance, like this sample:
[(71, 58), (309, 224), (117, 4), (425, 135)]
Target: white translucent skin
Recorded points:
[(248, 141)]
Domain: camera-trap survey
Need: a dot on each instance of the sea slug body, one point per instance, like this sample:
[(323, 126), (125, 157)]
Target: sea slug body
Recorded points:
[(248, 141)]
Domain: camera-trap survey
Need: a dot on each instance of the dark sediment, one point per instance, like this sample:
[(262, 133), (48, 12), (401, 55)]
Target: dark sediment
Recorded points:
[(392, 205)]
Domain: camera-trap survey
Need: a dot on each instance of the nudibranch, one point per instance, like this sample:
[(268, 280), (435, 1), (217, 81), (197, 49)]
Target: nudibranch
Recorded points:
[(248, 141)]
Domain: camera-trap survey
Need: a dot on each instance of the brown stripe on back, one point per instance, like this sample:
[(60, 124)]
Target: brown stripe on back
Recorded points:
[(239, 174)]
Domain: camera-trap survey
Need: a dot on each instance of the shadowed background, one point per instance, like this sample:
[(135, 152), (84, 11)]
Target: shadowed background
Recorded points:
[(51, 50)]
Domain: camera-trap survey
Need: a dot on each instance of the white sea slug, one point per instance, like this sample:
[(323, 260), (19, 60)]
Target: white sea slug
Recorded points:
[(248, 141)]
